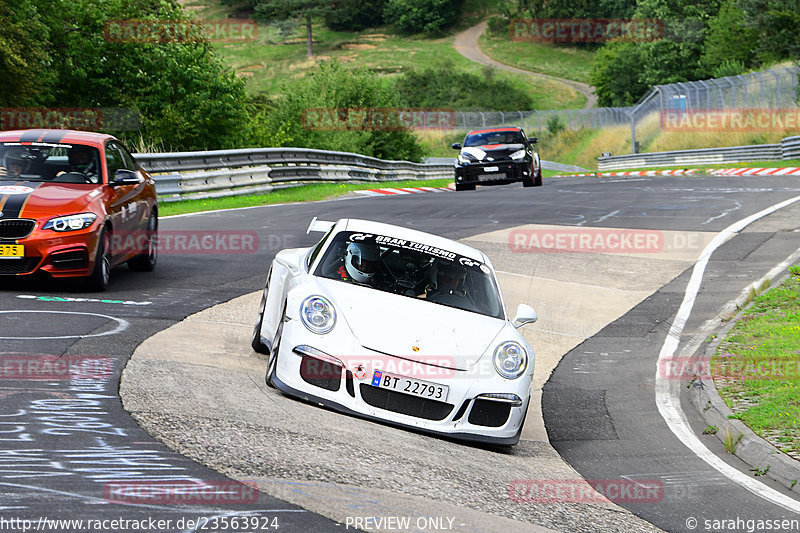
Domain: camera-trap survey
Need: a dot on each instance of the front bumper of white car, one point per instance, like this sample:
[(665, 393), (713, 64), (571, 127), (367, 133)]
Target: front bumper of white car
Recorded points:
[(334, 371)]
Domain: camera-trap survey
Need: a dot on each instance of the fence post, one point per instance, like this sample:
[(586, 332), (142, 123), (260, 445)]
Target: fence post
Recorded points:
[(733, 87), (761, 82), (744, 83)]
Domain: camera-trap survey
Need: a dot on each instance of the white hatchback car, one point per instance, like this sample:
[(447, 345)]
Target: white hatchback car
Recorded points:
[(396, 325)]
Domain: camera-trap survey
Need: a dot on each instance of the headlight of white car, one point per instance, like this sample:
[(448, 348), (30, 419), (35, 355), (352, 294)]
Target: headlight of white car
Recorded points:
[(317, 314), (510, 360), (464, 159), (70, 222), (519, 154)]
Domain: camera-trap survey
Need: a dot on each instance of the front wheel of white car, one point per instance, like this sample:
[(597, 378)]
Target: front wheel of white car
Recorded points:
[(272, 364), (255, 342)]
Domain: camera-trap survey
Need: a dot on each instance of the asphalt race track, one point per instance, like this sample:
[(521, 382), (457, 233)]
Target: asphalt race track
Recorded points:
[(70, 451)]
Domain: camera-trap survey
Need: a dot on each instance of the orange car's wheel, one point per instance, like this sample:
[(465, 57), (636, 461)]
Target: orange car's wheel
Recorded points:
[(146, 261), (98, 279)]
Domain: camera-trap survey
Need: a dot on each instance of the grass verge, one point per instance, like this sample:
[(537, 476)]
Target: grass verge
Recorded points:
[(305, 193), (566, 62), (756, 368)]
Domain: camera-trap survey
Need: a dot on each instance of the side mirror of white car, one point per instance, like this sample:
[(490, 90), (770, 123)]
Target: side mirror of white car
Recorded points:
[(525, 315)]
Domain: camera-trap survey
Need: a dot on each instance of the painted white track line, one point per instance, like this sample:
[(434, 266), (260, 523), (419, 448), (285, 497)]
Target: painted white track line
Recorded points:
[(667, 390)]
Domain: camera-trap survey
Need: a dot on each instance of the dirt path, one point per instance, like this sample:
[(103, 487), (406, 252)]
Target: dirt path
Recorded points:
[(466, 43)]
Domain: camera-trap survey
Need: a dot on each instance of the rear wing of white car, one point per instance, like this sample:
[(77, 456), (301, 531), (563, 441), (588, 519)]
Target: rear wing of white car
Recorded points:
[(321, 226)]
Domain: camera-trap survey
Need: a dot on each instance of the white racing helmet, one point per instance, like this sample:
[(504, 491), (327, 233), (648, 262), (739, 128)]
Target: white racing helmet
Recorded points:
[(361, 260)]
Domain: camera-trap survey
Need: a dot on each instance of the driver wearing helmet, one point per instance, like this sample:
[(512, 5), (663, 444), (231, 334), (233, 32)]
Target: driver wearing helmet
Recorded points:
[(361, 261), (82, 160), (14, 166), (447, 279)]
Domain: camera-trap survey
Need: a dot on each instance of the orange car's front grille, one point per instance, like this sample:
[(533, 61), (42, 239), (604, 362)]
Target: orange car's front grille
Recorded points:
[(16, 228)]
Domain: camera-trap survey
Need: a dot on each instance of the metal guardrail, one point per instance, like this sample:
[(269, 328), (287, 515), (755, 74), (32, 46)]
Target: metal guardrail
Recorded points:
[(789, 148), (218, 173)]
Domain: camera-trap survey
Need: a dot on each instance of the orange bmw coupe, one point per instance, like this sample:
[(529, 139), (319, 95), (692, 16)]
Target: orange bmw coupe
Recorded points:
[(66, 199)]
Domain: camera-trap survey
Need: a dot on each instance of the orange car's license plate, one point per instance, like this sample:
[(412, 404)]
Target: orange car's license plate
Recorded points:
[(9, 251)]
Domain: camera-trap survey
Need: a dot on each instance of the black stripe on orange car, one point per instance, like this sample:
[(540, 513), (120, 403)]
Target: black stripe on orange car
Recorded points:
[(31, 136), (2, 203), (4, 198), (54, 136), (15, 203)]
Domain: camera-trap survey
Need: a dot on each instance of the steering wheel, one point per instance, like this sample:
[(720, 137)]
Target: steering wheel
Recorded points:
[(72, 177), (459, 301), (408, 280)]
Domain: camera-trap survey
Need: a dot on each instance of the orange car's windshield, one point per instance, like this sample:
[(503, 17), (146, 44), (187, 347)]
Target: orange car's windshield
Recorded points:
[(59, 163)]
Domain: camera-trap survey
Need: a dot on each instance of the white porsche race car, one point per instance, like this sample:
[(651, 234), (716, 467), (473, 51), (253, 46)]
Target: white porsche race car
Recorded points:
[(400, 326)]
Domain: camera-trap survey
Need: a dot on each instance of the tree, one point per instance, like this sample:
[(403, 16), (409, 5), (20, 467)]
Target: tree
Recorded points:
[(185, 96), (355, 15), (445, 86), (616, 74), (309, 105), (729, 40), (288, 9), (776, 22), (24, 57), (623, 72), (417, 16), (575, 8)]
